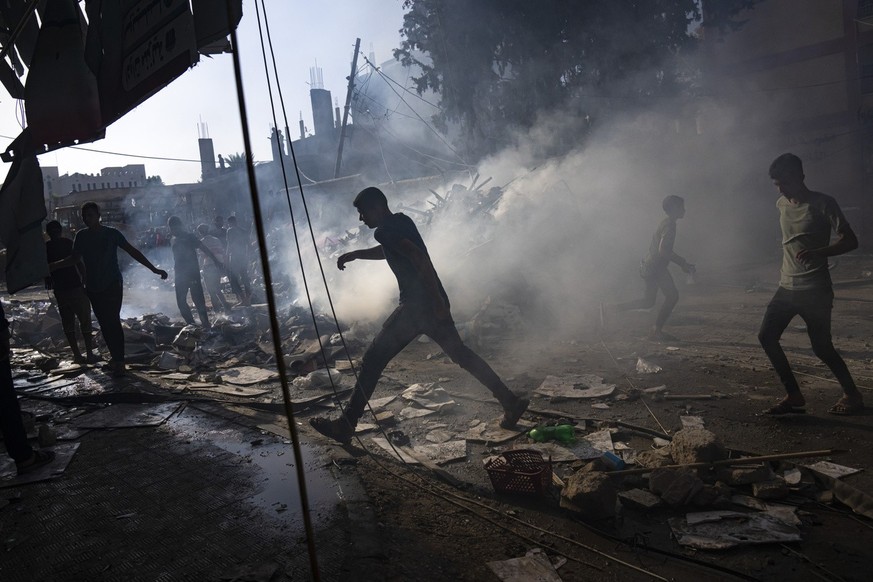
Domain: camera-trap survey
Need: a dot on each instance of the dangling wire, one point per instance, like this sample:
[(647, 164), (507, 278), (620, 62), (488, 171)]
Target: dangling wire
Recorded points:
[(311, 233), (271, 304)]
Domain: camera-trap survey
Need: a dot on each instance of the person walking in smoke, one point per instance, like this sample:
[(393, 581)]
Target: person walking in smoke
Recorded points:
[(423, 309), (72, 301), (238, 261), (97, 247), (210, 271), (654, 269), (805, 289), (186, 270)]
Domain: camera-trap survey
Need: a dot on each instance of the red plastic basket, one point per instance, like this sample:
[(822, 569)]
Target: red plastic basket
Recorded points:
[(520, 471)]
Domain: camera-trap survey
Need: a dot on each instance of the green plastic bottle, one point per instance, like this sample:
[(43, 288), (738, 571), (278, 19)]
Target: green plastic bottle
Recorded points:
[(564, 433)]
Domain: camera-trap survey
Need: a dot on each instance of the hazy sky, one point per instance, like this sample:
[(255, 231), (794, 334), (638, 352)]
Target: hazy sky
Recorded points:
[(303, 32)]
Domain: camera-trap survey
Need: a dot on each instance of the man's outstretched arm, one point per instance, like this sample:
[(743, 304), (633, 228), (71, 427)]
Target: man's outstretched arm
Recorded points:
[(141, 259), (372, 254)]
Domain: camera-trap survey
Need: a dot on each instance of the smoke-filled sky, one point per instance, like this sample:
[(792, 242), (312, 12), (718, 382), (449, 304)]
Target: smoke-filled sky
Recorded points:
[(303, 33)]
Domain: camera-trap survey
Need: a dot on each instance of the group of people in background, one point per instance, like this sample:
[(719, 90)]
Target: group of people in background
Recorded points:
[(85, 276)]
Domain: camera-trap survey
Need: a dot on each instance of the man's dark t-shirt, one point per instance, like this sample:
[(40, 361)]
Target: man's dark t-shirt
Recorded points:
[(68, 277), (389, 235), (185, 254), (99, 250)]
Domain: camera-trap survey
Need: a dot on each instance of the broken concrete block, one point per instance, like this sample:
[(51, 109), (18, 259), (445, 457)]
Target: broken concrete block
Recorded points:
[(696, 445), (654, 458), (773, 489), (169, 361), (718, 495), (746, 475), (675, 486), (639, 499), (591, 495)]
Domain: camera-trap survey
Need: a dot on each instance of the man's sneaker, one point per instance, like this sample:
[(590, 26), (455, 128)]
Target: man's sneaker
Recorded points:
[(91, 358), (79, 360), (337, 429), (514, 412)]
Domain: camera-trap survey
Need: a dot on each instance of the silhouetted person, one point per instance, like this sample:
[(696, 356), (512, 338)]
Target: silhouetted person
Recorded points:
[(97, 247), (11, 426), (807, 219), (423, 309), (210, 271), (70, 294), (655, 272), (238, 261), (186, 269)]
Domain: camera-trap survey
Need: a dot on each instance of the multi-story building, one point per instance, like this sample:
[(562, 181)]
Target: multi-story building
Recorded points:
[(801, 73)]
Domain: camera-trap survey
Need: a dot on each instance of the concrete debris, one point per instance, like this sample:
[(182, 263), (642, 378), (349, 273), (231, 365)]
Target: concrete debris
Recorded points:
[(654, 458), (832, 469), (773, 489), (696, 445), (675, 486), (746, 475), (590, 494), (792, 476), (639, 499)]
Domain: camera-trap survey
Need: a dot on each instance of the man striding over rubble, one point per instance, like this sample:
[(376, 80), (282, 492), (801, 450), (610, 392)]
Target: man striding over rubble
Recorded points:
[(97, 247), (805, 289), (423, 309)]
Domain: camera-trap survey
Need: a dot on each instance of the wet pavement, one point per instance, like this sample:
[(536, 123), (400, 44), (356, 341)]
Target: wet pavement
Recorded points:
[(202, 496)]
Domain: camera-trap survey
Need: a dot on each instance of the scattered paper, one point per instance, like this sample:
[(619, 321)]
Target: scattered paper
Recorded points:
[(720, 530), (646, 367), (568, 386)]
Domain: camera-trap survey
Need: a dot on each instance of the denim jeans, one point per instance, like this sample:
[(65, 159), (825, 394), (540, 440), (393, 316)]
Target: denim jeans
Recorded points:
[(814, 307), (406, 323), (106, 305)]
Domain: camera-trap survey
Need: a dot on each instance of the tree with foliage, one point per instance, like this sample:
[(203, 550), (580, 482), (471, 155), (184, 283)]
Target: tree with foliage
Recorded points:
[(497, 63), (237, 161)]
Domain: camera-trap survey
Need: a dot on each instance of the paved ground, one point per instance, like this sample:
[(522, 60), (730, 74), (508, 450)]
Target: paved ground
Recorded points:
[(200, 497)]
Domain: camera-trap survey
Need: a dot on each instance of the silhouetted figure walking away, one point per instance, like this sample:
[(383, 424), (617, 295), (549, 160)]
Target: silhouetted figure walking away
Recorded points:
[(805, 289), (423, 309), (238, 261), (210, 271), (97, 247), (654, 269), (72, 301)]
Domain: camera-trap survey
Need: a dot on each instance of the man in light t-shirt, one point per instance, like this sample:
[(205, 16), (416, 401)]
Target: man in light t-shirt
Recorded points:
[(807, 219)]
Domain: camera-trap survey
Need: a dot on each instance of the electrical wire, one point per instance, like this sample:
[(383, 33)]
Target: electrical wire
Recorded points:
[(271, 304), (266, 28), (143, 156)]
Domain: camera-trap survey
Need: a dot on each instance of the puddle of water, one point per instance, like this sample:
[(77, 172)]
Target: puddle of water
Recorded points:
[(276, 482)]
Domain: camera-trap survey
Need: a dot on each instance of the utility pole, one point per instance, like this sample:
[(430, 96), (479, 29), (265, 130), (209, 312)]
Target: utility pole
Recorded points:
[(339, 154)]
